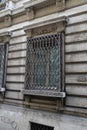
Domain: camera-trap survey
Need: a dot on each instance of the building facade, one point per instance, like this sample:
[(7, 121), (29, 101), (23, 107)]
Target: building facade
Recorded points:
[(43, 64)]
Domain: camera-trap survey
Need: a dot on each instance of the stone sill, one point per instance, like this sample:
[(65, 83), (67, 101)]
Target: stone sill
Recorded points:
[(45, 93)]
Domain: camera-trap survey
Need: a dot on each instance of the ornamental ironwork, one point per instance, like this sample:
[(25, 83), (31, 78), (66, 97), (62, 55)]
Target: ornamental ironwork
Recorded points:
[(44, 65), (2, 64)]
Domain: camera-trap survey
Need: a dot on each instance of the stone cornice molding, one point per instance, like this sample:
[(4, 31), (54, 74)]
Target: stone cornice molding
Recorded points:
[(5, 12), (30, 4), (34, 3), (50, 21), (5, 37), (48, 26), (5, 16), (18, 11)]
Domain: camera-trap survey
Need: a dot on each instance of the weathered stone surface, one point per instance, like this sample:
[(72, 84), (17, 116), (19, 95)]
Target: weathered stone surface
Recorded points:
[(16, 118)]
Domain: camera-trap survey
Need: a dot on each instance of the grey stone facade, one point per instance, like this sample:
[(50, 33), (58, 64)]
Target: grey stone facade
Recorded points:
[(16, 118), (20, 19)]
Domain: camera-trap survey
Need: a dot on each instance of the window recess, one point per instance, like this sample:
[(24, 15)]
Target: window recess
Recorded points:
[(44, 66)]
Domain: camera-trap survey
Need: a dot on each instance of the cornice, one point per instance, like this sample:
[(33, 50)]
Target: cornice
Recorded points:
[(18, 10), (5, 12), (5, 37), (33, 6), (49, 26), (5, 34), (34, 3), (47, 22)]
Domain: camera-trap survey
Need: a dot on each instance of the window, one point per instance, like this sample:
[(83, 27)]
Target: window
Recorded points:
[(2, 65), (2, 0), (44, 66), (35, 126)]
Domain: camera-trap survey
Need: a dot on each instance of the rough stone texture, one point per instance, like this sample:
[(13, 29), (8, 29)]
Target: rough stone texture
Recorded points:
[(18, 118)]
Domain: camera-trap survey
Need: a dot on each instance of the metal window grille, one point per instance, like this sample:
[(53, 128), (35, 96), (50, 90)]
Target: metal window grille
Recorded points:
[(44, 65), (35, 126), (2, 64)]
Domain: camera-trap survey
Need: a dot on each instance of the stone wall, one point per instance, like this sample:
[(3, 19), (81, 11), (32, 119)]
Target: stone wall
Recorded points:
[(14, 118), (75, 50)]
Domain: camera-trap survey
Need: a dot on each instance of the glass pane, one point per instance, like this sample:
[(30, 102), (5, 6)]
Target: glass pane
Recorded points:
[(53, 67), (40, 67)]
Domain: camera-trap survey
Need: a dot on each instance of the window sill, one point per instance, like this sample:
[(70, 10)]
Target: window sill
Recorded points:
[(45, 93)]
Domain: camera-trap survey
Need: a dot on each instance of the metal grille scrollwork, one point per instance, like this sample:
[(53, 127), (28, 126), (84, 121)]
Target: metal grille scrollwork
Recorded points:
[(2, 64), (44, 65)]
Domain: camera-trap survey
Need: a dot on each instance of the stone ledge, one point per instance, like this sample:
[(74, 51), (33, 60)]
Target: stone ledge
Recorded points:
[(5, 16), (46, 27), (5, 12), (32, 6), (45, 93), (34, 3), (18, 11), (5, 34), (5, 37), (47, 22)]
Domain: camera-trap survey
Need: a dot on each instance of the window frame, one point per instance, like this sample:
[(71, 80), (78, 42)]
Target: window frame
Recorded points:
[(47, 92), (2, 88)]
